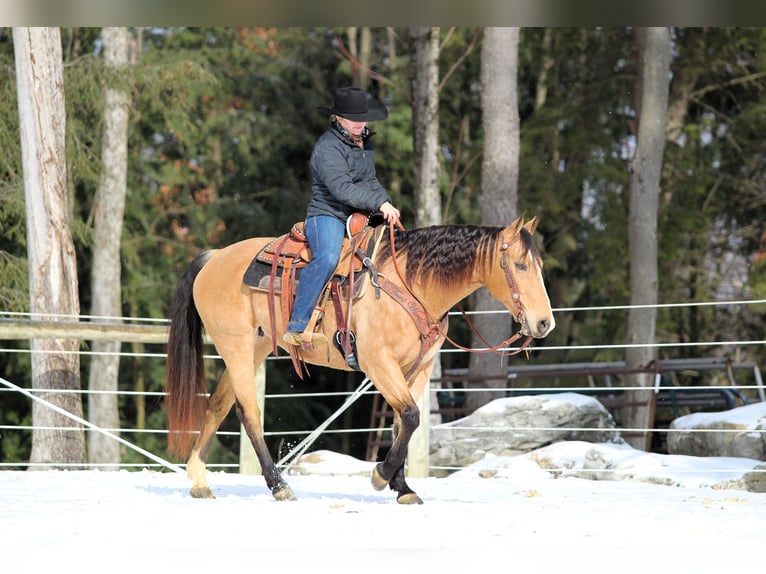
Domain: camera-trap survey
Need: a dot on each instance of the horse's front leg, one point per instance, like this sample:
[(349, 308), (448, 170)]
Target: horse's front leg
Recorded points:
[(219, 405), (391, 470), (406, 421), (398, 483)]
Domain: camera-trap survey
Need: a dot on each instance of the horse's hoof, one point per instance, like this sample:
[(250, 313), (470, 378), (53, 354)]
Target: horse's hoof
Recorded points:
[(284, 493), (409, 498), (378, 482), (201, 492)]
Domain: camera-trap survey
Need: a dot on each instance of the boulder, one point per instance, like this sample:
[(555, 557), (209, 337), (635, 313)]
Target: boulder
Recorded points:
[(326, 462), (755, 481), (517, 425), (739, 432)]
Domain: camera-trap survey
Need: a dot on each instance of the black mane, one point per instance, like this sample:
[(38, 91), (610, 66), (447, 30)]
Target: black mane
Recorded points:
[(448, 254)]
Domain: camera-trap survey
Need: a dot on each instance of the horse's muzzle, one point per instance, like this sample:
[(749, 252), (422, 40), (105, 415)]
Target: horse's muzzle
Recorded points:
[(539, 329)]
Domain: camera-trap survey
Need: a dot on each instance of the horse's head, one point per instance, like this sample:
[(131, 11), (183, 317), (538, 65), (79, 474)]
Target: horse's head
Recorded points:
[(516, 279)]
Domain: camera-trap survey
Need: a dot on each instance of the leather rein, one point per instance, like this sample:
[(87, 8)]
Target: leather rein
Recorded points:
[(430, 329)]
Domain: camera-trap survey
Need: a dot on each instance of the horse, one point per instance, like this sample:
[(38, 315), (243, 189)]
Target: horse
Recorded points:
[(435, 266)]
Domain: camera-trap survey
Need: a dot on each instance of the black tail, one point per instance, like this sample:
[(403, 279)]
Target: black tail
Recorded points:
[(185, 373)]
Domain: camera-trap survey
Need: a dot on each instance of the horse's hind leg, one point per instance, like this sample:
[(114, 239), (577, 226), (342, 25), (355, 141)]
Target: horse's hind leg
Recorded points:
[(279, 488), (243, 381), (219, 405)]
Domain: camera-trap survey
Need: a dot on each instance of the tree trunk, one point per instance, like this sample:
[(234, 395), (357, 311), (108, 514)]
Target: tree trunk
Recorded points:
[(500, 175), (425, 124), (103, 406), (360, 48), (645, 168), (541, 91), (52, 262), (424, 69)]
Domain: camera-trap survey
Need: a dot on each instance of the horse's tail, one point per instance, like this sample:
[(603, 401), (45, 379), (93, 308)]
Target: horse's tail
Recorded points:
[(185, 383)]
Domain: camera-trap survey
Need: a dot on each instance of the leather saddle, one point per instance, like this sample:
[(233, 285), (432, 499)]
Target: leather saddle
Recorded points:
[(276, 270), (291, 251)]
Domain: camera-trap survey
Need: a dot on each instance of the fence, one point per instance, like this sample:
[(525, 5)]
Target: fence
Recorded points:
[(19, 326)]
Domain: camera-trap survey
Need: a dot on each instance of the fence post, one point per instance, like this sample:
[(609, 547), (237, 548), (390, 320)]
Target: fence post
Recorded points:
[(248, 461), (418, 451)]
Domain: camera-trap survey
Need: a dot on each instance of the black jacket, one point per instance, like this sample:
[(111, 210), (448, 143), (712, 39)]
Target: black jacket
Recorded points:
[(343, 176)]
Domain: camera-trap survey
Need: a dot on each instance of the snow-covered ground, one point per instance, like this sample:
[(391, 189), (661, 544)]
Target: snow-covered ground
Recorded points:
[(508, 514)]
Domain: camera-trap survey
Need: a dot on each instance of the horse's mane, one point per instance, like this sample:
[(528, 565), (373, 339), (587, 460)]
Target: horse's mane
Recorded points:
[(449, 254)]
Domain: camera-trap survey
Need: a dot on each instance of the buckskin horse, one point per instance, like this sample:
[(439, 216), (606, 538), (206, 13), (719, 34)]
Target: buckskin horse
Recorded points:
[(422, 273)]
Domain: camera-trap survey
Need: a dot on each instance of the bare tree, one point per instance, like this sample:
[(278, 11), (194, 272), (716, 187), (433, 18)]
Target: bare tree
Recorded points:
[(425, 123), (500, 177), (360, 48), (50, 249), (105, 278), (654, 81), (424, 83)]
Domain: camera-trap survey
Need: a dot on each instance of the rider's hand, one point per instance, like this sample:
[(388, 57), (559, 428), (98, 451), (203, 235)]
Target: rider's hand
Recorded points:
[(390, 213)]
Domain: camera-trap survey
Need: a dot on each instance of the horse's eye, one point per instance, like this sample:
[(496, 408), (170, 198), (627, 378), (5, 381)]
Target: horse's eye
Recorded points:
[(521, 266)]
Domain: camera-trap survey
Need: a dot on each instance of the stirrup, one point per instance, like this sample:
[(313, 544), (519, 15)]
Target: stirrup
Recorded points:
[(296, 338), (351, 359)]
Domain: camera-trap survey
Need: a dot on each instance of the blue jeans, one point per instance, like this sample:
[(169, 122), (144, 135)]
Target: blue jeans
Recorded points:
[(325, 235)]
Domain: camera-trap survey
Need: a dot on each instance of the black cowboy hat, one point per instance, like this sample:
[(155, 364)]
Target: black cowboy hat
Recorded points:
[(356, 105)]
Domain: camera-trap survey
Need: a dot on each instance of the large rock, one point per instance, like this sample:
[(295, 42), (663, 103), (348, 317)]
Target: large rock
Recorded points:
[(737, 432), (516, 425)]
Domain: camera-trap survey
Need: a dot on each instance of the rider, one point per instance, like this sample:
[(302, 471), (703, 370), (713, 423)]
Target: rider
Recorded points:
[(343, 181)]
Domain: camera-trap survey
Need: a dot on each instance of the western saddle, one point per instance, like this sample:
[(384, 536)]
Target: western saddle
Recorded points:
[(276, 270)]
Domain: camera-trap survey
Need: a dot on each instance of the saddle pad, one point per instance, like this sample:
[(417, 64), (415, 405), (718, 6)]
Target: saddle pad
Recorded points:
[(258, 274), (258, 277)]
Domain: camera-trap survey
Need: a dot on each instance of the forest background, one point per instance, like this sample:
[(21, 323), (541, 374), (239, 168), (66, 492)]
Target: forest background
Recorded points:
[(222, 122)]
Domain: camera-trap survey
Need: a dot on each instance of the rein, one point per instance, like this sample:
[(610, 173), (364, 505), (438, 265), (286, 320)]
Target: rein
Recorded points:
[(439, 325)]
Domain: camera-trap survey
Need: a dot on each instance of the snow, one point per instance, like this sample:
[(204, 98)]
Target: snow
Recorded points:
[(555, 400), (747, 417), (608, 461), (656, 513), (574, 399)]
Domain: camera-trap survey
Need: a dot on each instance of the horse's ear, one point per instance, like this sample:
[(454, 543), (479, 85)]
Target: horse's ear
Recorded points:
[(515, 228), (531, 225)]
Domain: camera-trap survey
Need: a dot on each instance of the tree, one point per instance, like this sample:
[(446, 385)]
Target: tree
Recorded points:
[(500, 176), (645, 167), (52, 262), (424, 72), (424, 82), (360, 49), (108, 210)]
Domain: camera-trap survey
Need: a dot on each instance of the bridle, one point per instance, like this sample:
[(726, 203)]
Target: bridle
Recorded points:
[(515, 295), (512, 287)]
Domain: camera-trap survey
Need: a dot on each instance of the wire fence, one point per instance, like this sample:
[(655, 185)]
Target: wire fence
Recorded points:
[(754, 390)]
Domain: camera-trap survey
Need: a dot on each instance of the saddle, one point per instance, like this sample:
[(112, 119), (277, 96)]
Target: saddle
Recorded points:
[(291, 251), (276, 270)]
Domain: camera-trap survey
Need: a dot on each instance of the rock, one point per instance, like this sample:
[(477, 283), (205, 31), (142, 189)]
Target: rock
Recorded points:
[(738, 432), (331, 463), (516, 425), (755, 481), (622, 462)]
